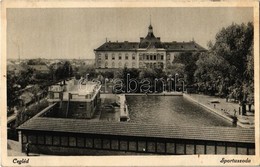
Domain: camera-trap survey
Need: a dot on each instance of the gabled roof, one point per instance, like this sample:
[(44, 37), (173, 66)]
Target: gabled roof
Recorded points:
[(183, 46), (191, 46), (173, 131), (150, 41), (118, 46)]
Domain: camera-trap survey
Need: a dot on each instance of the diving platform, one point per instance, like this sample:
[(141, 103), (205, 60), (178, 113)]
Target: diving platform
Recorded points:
[(124, 114)]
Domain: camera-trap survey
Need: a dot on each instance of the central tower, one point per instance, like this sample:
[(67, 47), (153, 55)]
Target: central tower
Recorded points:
[(150, 29)]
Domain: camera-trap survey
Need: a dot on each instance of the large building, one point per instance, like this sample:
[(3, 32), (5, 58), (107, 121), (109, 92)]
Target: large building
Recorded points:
[(150, 52)]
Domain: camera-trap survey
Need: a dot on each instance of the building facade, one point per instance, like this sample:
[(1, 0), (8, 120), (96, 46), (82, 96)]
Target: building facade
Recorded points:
[(149, 52), (75, 100)]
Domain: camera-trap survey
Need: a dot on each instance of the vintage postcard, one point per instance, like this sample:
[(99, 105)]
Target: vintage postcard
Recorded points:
[(129, 83)]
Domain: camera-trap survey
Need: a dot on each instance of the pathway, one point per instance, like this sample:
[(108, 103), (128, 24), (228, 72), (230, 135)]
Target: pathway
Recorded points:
[(224, 109)]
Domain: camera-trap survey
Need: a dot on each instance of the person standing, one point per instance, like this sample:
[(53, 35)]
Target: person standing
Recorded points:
[(27, 147), (235, 112)]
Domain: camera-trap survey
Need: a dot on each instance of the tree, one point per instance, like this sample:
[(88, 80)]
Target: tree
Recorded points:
[(211, 73), (87, 70), (25, 77), (67, 70), (188, 60), (12, 88), (228, 65)]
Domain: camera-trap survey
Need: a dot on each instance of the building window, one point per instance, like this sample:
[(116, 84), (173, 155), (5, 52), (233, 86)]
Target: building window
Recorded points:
[(161, 57), (64, 141), (88, 142), (56, 140), (72, 141), (113, 64), (140, 57), (80, 142), (133, 64), (40, 139), (168, 57), (56, 95), (32, 139), (126, 64), (147, 57), (106, 56), (106, 64), (119, 57), (82, 106), (151, 57), (154, 65), (99, 56), (113, 56), (48, 140), (126, 56), (151, 65), (154, 57), (133, 56)]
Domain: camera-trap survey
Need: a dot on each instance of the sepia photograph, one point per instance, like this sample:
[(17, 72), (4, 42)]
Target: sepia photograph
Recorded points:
[(128, 80)]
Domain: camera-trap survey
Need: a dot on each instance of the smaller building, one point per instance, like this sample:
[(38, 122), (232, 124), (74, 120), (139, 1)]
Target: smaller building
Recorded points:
[(76, 99)]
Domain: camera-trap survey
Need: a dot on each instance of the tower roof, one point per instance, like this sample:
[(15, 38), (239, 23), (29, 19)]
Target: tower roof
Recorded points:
[(150, 40)]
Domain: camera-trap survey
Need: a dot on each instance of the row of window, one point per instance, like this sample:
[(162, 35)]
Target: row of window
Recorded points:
[(120, 57), (120, 64), (151, 65), (146, 146), (151, 57), (141, 64), (141, 56)]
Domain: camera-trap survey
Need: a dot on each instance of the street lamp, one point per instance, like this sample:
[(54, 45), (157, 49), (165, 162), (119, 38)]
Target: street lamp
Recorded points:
[(163, 84), (175, 80), (182, 84), (106, 80), (170, 83), (87, 76)]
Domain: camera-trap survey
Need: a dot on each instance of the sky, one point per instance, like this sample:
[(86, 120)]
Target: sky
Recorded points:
[(74, 33)]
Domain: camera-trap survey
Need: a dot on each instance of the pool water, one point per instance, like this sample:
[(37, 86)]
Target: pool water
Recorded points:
[(171, 110)]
